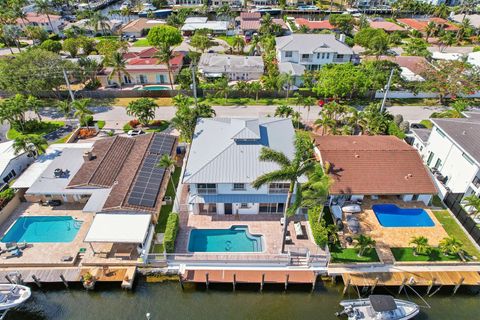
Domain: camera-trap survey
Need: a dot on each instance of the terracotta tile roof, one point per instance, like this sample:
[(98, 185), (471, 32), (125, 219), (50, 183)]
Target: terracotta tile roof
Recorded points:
[(250, 24), (417, 65), (141, 24), (250, 15), (38, 18), (374, 165), (420, 25), (314, 25), (386, 25)]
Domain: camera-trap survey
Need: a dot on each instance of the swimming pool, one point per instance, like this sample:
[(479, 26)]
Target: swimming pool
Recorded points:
[(153, 88), (235, 239), (389, 215), (43, 229)]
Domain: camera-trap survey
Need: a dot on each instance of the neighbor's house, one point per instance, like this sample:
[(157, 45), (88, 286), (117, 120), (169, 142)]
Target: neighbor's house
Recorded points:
[(140, 27), (111, 175), (193, 24), (224, 161), (231, 3), (421, 24), (143, 68), (249, 23), (374, 166), (185, 2), (451, 149), (295, 70), (111, 27), (474, 19), (234, 67), (41, 20), (314, 25), (312, 50), (387, 26), (11, 164), (412, 67)]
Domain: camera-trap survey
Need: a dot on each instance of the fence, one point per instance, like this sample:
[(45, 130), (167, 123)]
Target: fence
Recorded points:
[(452, 200), (419, 95)]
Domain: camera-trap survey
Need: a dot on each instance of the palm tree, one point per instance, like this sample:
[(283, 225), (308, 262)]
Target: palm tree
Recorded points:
[(364, 243), (451, 246), (303, 29), (306, 102), (238, 43), (255, 88), (463, 28), (81, 111), (315, 190), (266, 24), (119, 65), (66, 108), (472, 202), (32, 144), (441, 11), (290, 170), (283, 111), (222, 87), (430, 29), (34, 104), (285, 81), (325, 122), (447, 39), (420, 245), (44, 7), (97, 19), (168, 163), (164, 55)]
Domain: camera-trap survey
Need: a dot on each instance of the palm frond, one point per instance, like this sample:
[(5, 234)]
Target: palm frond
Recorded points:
[(270, 155)]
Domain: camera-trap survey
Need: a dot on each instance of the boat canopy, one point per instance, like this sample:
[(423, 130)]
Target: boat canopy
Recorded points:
[(382, 303)]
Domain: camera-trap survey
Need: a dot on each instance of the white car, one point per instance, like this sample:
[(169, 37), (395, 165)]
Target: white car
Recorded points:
[(135, 132)]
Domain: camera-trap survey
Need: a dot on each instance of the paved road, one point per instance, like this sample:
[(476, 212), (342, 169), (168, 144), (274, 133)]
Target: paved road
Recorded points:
[(116, 117), (3, 131)]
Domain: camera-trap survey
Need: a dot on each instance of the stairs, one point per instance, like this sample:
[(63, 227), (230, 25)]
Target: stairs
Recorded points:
[(298, 261)]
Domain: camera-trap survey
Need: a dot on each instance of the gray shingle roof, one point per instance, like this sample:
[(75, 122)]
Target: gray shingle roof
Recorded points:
[(308, 43), (422, 134), (465, 132), (294, 69), (226, 150)]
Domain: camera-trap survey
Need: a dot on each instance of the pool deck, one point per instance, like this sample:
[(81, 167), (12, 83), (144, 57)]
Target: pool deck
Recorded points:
[(390, 237)]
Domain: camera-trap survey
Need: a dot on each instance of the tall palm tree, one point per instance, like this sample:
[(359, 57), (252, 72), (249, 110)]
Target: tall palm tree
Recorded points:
[(465, 25), (363, 243), (285, 80), (31, 143), (420, 245), (283, 111), (66, 108), (451, 246), (472, 202), (430, 29), (315, 190), (44, 7), (119, 65), (238, 44), (164, 55), (325, 122), (168, 163), (81, 111), (255, 88), (290, 170), (306, 102), (96, 20)]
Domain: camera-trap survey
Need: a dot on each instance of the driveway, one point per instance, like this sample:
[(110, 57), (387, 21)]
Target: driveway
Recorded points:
[(3, 131)]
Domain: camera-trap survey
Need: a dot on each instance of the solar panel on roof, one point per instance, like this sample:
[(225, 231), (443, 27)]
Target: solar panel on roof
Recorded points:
[(149, 178)]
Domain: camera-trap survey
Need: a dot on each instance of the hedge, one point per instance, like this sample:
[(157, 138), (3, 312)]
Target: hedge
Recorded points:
[(171, 232), (319, 230)]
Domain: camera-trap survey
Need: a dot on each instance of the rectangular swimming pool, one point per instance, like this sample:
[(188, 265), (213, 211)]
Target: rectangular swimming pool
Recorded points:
[(43, 229), (389, 215), (235, 239)]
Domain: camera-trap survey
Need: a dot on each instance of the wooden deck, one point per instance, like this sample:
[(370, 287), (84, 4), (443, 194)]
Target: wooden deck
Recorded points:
[(249, 276), (445, 278)]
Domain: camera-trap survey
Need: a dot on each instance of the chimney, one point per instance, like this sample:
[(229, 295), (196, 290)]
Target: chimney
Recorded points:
[(341, 38), (88, 156)]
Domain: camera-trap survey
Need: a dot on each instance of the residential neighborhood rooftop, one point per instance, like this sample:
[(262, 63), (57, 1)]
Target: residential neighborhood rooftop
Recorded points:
[(227, 149), (314, 25), (312, 43), (219, 63), (373, 165), (386, 25)]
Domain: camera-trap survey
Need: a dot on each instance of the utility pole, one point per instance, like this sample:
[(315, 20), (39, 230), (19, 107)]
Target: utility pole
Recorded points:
[(194, 83), (387, 88), (68, 84)]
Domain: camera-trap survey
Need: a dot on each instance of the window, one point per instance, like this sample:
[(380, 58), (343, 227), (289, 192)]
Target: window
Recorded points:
[(328, 55), (318, 55), (142, 78), (84, 196), (9, 176), (278, 187), (238, 186), (160, 78), (288, 54), (438, 163), (323, 55), (271, 207), (244, 206), (305, 56), (430, 158), (206, 188), (440, 132)]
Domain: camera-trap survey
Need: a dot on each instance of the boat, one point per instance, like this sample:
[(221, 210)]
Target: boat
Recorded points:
[(352, 208), (379, 307), (12, 295), (161, 13)]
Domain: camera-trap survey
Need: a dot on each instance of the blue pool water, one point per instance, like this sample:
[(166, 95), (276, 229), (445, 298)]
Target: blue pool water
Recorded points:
[(43, 229), (153, 88), (235, 239), (389, 215)]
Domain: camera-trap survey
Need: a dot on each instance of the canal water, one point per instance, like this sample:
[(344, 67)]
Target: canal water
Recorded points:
[(168, 301)]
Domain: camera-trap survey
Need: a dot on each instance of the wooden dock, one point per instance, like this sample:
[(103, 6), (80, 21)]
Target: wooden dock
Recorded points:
[(69, 275)]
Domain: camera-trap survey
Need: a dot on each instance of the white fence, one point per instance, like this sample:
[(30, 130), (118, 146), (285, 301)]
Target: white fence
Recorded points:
[(419, 95)]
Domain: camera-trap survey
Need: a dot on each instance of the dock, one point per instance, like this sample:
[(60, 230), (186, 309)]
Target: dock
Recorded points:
[(39, 276)]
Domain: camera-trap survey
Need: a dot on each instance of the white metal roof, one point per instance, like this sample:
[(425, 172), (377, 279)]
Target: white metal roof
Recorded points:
[(35, 171), (119, 228), (310, 43), (7, 154)]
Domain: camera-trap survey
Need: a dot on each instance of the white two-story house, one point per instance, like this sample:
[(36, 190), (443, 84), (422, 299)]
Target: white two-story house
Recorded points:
[(223, 161), (312, 50), (452, 152)]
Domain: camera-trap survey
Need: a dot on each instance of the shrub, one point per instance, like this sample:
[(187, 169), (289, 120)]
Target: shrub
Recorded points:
[(427, 123), (127, 127), (100, 124), (171, 232), (51, 45), (156, 123), (134, 123), (5, 197), (476, 48), (319, 229), (394, 130), (88, 121), (86, 133)]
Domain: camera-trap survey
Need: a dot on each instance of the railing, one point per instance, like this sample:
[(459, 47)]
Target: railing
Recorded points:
[(207, 191)]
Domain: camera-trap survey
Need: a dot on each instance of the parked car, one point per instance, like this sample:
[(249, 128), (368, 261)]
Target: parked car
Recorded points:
[(135, 132), (52, 203), (417, 126), (322, 102)]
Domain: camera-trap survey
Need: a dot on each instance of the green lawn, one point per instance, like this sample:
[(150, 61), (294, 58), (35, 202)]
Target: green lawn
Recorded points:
[(164, 125), (350, 255), (227, 39), (106, 38), (166, 209), (453, 229), (141, 43), (427, 123), (157, 248), (217, 101), (42, 128), (437, 202), (406, 254), (64, 139)]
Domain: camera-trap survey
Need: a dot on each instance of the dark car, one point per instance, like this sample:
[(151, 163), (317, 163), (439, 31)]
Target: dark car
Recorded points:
[(52, 203), (417, 126)]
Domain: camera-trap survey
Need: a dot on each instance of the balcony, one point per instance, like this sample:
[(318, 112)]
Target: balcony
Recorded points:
[(306, 60)]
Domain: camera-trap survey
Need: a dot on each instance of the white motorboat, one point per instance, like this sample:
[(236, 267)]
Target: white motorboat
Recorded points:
[(12, 295), (352, 208), (379, 307)]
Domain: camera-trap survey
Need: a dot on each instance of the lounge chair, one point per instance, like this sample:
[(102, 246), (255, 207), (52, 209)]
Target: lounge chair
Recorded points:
[(11, 246), (353, 224), (298, 230), (15, 253)]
